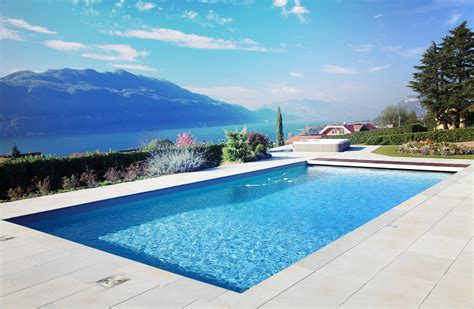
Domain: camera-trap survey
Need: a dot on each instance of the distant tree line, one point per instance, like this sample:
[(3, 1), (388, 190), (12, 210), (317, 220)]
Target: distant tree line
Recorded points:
[(444, 80), (397, 116)]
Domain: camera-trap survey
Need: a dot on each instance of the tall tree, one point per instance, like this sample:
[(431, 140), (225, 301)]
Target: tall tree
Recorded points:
[(458, 59), (412, 118), (280, 137), (430, 84), (393, 115)]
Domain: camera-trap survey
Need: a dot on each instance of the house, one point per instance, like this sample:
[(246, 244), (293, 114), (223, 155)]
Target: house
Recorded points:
[(346, 128)]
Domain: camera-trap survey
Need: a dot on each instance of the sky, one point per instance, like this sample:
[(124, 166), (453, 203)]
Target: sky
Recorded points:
[(254, 53)]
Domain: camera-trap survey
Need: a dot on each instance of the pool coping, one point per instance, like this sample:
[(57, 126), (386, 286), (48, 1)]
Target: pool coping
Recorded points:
[(263, 293)]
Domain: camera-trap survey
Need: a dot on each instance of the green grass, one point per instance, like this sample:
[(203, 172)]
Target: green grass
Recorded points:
[(391, 151)]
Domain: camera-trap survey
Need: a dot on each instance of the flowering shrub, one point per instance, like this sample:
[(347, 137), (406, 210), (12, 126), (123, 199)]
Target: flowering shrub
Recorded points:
[(89, 178), (171, 159), (185, 139), (71, 183), (428, 147), (134, 171), (258, 142), (113, 174), (43, 186)]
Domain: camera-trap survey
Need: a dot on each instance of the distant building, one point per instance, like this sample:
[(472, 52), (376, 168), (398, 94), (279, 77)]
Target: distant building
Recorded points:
[(339, 129)]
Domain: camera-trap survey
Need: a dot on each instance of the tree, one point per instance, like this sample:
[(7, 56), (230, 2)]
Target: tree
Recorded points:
[(444, 80), (458, 60), (15, 152), (280, 137), (412, 118), (430, 84), (393, 115), (237, 147)]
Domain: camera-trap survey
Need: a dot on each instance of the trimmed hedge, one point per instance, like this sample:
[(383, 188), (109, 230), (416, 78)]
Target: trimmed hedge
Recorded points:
[(23, 172), (373, 138)]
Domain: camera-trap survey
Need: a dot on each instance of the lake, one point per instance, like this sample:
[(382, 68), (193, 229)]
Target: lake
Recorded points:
[(66, 144)]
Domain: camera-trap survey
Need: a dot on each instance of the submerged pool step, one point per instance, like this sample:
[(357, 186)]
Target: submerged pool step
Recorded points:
[(386, 164)]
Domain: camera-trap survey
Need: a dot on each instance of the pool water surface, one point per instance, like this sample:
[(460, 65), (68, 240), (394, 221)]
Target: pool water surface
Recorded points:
[(238, 233)]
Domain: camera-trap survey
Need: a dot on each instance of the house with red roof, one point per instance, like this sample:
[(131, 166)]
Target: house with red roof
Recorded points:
[(346, 128)]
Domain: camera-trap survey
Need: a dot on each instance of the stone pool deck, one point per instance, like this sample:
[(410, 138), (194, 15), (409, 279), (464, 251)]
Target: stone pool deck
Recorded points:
[(418, 254)]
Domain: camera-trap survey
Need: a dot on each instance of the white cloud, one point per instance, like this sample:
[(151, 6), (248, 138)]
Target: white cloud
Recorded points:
[(144, 6), (411, 52), (135, 67), (120, 3), (364, 48), (231, 94), (65, 46), (23, 24), (187, 40), (283, 89), (300, 11), (378, 68), (392, 48), (378, 16), (454, 18), (8, 34), (190, 14), (280, 3), (116, 52), (296, 74), (334, 69), (213, 16)]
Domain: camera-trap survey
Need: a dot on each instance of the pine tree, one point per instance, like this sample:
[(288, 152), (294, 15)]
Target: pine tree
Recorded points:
[(430, 84), (458, 60), (280, 137)]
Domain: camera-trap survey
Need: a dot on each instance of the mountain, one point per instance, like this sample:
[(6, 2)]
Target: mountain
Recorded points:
[(323, 111), (79, 101), (412, 103)]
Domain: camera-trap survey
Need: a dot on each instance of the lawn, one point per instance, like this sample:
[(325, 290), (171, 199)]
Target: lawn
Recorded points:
[(391, 151)]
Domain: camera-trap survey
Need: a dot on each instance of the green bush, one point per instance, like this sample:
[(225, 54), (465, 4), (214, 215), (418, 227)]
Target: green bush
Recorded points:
[(22, 174), (373, 138), (237, 148)]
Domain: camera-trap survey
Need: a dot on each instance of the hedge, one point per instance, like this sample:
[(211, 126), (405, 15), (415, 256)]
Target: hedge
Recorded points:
[(22, 172), (374, 138)]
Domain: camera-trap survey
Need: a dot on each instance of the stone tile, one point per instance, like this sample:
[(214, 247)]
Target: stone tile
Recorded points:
[(419, 266), (318, 290), (179, 293), (454, 226), (452, 291), (43, 293), (32, 276), (23, 251), (100, 297), (149, 273), (263, 291), (457, 190), (438, 246), (390, 290)]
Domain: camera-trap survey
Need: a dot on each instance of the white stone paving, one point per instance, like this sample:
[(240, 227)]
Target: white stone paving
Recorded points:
[(419, 253)]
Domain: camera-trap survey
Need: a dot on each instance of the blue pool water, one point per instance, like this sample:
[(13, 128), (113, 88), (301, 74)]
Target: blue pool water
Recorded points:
[(237, 233)]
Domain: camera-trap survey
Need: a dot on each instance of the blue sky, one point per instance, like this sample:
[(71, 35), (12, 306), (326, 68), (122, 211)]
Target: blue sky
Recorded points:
[(253, 53)]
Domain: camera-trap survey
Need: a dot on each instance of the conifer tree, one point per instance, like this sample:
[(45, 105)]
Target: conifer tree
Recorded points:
[(280, 137)]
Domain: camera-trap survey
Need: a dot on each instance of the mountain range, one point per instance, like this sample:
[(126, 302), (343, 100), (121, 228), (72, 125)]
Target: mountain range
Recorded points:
[(412, 103), (80, 101)]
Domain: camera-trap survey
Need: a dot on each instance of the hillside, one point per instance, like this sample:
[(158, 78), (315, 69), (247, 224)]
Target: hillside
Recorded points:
[(71, 101)]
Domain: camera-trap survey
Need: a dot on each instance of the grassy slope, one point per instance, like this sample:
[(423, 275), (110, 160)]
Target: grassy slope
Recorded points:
[(391, 151)]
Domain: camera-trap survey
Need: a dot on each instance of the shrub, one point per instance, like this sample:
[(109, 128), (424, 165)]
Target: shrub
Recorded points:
[(185, 140), (71, 183), (43, 186), (259, 140), (89, 178), (15, 193), (429, 147), (170, 160), (134, 171), (113, 174), (237, 148), (372, 137), (155, 144)]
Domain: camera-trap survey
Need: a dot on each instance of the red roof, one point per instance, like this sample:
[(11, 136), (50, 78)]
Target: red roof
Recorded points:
[(301, 137)]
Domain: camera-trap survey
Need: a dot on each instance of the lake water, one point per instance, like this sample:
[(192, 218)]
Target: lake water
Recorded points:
[(66, 144)]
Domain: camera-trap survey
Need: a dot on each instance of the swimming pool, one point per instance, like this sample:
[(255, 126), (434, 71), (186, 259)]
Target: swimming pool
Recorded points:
[(237, 233)]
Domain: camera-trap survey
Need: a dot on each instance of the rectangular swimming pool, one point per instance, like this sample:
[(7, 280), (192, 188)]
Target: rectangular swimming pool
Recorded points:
[(237, 233)]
